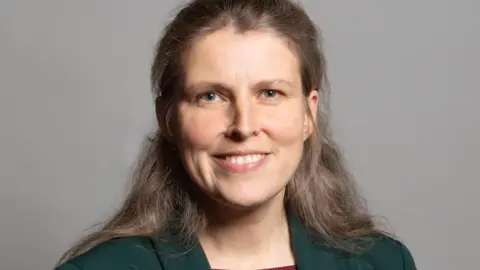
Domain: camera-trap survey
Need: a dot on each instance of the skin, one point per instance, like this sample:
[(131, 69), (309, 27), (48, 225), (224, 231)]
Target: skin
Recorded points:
[(243, 94)]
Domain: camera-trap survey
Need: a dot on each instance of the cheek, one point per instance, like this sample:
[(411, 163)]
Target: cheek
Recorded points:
[(286, 125), (198, 130)]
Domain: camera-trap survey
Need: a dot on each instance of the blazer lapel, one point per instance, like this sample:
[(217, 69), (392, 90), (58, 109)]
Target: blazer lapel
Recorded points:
[(175, 255), (310, 256)]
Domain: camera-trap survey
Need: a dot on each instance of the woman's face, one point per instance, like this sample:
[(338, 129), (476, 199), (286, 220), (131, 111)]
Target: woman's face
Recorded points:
[(242, 119)]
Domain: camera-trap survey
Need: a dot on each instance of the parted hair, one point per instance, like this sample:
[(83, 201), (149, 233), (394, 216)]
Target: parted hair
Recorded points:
[(321, 193)]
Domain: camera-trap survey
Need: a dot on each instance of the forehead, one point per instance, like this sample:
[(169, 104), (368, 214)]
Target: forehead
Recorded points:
[(232, 57)]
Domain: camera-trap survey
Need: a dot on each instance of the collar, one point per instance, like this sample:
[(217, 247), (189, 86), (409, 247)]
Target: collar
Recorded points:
[(175, 255)]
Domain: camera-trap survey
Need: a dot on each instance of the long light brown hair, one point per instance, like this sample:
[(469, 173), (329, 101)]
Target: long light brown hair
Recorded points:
[(321, 193)]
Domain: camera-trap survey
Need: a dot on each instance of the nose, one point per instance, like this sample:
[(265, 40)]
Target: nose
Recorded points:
[(244, 121)]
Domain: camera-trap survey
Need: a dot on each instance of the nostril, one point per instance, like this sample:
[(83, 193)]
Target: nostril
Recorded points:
[(237, 135)]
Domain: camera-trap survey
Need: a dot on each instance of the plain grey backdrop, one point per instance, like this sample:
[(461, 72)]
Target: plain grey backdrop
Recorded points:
[(75, 105)]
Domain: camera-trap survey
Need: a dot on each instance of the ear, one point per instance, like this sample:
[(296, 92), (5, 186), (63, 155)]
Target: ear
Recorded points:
[(310, 114), (163, 111)]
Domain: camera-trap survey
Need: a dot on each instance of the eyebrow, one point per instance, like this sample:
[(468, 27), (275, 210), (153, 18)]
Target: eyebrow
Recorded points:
[(270, 83), (221, 86)]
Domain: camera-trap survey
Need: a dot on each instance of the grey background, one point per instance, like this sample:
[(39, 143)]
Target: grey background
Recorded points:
[(75, 105)]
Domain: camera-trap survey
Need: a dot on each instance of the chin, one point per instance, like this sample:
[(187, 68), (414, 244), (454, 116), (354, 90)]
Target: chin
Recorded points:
[(242, 201)]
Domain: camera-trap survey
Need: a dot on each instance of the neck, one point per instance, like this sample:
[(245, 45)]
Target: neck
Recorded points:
[(256, 236)]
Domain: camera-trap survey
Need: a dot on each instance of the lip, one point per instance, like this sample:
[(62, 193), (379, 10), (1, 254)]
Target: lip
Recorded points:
[(240, 153), (241, 168)]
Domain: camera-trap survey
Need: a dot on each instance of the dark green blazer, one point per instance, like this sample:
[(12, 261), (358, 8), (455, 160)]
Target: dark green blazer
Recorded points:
[(142, 253)]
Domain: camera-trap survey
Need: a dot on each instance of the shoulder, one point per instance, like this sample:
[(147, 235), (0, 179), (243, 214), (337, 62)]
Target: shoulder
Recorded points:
[(126, 253), (388, 253)]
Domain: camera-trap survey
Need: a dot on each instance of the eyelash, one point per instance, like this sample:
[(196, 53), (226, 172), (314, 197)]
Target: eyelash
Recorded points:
[(202, 95), (262, 92), (276, 92)]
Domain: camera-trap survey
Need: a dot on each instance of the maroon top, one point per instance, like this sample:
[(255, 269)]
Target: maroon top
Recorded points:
[(284, 268), (278, 268)]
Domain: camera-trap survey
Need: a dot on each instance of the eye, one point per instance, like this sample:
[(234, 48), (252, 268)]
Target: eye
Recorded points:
[(208, 97), (269, 93)]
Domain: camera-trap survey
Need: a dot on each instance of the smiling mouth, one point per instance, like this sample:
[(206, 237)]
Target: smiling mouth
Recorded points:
[(244, 159), (241, 163)]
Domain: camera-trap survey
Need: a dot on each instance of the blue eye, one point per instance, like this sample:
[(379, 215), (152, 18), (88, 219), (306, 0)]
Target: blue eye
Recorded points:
[(209, 96), (270, 93)]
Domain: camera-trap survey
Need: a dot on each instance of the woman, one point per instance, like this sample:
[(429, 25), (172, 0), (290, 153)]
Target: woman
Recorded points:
[(242, 173)]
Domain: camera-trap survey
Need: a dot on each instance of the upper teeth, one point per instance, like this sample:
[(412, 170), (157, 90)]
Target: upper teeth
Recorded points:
[(244, 159)]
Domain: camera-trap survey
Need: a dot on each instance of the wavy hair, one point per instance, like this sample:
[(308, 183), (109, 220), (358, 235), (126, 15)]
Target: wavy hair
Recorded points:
[(321, 193)]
